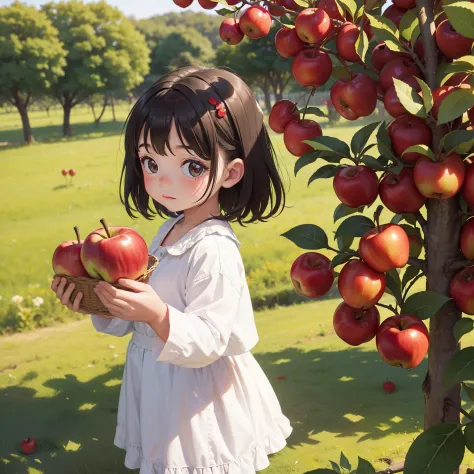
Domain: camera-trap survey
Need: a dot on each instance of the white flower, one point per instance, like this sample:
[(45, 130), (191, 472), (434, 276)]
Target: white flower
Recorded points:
[(38, 301), (17, 299)]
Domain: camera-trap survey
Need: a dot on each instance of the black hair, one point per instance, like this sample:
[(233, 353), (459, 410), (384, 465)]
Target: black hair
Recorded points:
[(182, 97)]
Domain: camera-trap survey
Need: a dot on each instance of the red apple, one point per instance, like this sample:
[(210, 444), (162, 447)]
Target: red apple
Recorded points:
[(111, 253), (28, 445), (388, 386), (288, 43), (282, 113), (72, 172), (457, 79), (64, 172), (207, 4), (441, 93), (183, 3), (468, 186), (312, 68), (470, 116), (406, 131), (311, 274), (467, 239), (275, 9), (404, 4), (381, 55), (356, 186), (452, 44), (360, 285), (461, 290), (233, 2), (354, 97), (402, 341), (313, 25), (395, 14), (345, 42), (230, 32), (330, 7), (255, 22), (439, 179), (400, 194), (391, 101), (67, 258), (356, 326), (385, 247), (398, 68), (297, 131)]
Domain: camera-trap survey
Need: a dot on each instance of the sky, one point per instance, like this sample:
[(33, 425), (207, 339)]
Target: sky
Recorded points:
[(138, 8)]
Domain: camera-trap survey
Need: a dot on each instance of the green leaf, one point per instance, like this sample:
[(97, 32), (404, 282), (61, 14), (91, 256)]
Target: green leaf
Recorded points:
[(307, 236), (424, 304), (394, 284), (469, 436), (340, 258), (288, 21), (410, 273), (426, 92), (394, 45), (469, 390), (354, 226), (460, 140), (422, 149), (409, 98), (349, 6), (305, 160), (383, 25), (463, 326), (408, 23), (438, 450), (362, 45), (455, 104), (344, 243), (460, 368), (461, 16), (361, 137), (314, 111), (335, 466), (373, 163), (302, 3), (225, 12), (343, 211), (383, 141), (326, 171), (414, 36), (364, 467), (333, 144), (344, 462)]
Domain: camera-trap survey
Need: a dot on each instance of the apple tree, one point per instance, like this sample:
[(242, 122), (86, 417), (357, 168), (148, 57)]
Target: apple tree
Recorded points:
[(416, 57)]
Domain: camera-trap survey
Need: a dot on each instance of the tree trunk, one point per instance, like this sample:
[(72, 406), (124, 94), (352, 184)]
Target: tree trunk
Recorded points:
[(112, 103), (442, 247), (67, 107), (266, 97), (22, 107), (104, 106)]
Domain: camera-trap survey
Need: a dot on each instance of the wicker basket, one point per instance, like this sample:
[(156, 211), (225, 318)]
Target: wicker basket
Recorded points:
[(90, 302)]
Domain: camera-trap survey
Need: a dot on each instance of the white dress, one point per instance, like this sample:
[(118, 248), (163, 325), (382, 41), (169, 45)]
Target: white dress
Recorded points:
[(199, 403)]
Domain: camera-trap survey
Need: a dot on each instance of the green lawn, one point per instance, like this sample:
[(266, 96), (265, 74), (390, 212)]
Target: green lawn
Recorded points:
[(61, 384)]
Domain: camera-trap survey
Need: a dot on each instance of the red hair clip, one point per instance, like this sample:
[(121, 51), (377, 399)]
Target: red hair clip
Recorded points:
[(220, 107)]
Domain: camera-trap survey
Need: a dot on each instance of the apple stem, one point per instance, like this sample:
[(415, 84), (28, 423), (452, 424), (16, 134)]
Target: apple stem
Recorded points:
[(377, 216), (313, 90), (76, 229), (102, 221)]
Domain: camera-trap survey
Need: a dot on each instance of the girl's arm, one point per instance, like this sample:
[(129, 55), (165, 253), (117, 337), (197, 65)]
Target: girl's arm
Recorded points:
[(113, 326), (199, 335)]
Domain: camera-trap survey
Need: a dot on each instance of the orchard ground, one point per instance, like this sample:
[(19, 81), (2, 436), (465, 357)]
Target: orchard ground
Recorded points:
[(61, 384)]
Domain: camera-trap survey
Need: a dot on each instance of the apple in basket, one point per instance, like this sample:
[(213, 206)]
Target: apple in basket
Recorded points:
[(67, 258), (111, 253)]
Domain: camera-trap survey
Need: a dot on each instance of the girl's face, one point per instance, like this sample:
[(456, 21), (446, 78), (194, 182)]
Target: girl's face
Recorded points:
[(178, 179)]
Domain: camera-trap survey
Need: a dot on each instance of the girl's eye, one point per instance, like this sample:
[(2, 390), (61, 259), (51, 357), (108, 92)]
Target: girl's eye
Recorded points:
[(150, 165), (193, 169)]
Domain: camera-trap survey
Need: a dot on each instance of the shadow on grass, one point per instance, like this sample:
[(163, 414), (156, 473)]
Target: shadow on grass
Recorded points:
[(54, 133), (337, 392)]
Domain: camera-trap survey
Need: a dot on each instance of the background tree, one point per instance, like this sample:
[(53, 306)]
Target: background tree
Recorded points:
[(31, 56), (105, 52)]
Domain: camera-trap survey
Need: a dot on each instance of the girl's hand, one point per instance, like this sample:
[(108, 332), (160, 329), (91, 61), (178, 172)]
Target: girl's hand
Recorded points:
[(64, 294), (142, 304)]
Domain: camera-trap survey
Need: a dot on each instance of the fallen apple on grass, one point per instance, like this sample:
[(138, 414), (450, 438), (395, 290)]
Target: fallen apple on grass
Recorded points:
[(28, 445), (389, 386)]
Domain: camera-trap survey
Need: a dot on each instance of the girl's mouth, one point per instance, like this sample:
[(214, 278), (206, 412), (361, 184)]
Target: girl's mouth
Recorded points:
[(168, 197)]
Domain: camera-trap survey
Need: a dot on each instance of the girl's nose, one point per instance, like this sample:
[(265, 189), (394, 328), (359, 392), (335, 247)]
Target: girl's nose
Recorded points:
[(164, 179)]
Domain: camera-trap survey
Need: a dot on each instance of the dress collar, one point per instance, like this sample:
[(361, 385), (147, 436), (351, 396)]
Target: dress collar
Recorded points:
[(197, 233)]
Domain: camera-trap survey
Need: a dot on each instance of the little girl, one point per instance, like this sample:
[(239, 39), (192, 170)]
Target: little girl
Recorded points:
[(194, 399)]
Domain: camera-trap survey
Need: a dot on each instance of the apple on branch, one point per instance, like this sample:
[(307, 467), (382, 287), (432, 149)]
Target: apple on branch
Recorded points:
[(356, 186), (312, 275), (283, 112), (255, 22), (111, 253), (296, 132), (461, 290), (313, 25), (288, 43), (406, 131), (311, 67), (230, 32), (67, 258), (356, 326), (402, 341), (451, 43)]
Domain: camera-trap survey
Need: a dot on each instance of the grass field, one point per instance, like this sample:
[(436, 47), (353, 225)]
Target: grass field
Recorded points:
[(61, 384)]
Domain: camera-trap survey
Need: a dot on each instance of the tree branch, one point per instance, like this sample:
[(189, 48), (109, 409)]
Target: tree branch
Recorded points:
[(410, 285), (387, 306), (448, 402), (417, 262), (422, 221), (457, 264)]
